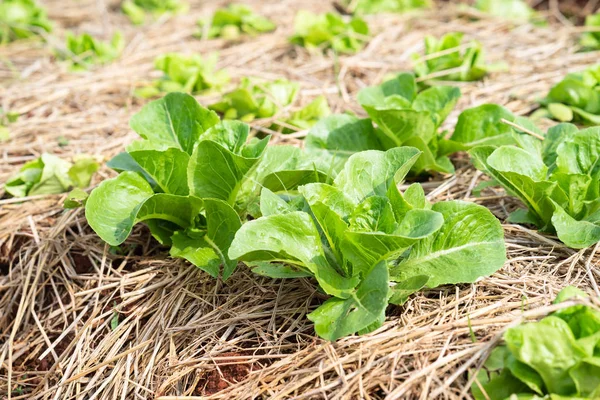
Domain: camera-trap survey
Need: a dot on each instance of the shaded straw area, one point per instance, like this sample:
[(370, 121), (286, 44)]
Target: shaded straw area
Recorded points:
[(80, 320)]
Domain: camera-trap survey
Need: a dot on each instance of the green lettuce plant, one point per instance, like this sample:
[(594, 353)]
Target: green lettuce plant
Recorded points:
[(232, 21), (22, 19), (402, 117), (216, 198), (256, 98), (84, 51), (50, 174), (329, 31), (188, 73), (557, 179), (591, 40), (447, 59), (384, 6), (138, 10), (556, 358), (366, 243), (576, 98)]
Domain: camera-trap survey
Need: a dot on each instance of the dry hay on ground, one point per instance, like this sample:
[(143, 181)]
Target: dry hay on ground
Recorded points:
[(80, 322)]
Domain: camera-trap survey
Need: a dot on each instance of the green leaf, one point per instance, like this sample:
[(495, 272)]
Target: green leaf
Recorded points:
[(82, 170), (290, 238), (176, 120), (548, 347), (438, 100), (574, 233), (508, 9), (378, 171), (76, 198), (340, 317), (137, 10), (401, 291), (278, 271), (166, 167), (469, 245), (337, 137), (366, 248), (209, 249), (216, 171), (117, 204)]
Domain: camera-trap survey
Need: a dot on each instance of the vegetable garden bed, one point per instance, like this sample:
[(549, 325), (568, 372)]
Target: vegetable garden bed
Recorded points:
[(82, 319)]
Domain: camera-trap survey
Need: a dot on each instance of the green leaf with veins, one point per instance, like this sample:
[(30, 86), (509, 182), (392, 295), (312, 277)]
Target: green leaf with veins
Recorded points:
[(341, 317)]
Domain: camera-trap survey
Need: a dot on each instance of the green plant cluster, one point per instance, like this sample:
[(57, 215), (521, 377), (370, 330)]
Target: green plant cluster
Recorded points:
[(556, 358), (22, 19), (576, 98), (84, 51), (50, 174), (216, 198), (188, 73), (329, 31), (446, 59), (234, 20), (257, 98), (138, 11)]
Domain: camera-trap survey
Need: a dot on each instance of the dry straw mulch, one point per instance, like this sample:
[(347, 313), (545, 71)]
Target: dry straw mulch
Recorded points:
[(79, 321)]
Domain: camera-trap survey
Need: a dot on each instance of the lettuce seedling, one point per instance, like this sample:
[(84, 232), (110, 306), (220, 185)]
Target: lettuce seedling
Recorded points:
[(554, 358), (22, 19), (449, 60), (185, 73), (256, 98), (384, 6), (232, 21), (591, 40), (325, 31), (137, 10), (50, 174), (367, 244), (576, 98), (558, 180), (84, 51)]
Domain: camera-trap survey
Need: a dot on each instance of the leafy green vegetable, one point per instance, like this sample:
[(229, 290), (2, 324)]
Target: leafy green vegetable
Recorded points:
[(320, 32), (576, 98), (359, 234), (22, 19), (76, 198), (557, 180), (556, 357), (50, 174), (591, 40), (403, 118), (231, 21), (84, 51), (185, 73), (183, 179), (137, 10), (449, 60), (383, 6), (509, 9), (255, 98)]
